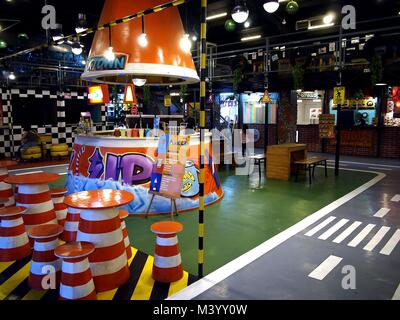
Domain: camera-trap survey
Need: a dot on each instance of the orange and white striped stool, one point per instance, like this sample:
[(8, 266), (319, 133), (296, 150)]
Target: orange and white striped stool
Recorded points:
[(34, 193), (6, 190), (44, 262), (167, 266), (61, 209), (3, 202), (71, 225), (14, 242), (100, 225), (76, 276), (123, 214)]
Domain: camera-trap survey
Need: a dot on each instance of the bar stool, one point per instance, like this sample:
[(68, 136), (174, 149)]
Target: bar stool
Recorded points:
[(43, 258), (61, 209), (100, 224), (167, 265), (71, 225), (123, 214), (3, 202), (76, 276), (34, 193), (6, 190), (14, 242)]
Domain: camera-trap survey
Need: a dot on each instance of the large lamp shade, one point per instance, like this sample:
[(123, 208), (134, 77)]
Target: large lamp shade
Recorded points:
[(161, 62)]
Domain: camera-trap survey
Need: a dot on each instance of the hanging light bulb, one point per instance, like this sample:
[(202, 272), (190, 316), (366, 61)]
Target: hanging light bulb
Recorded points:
[(271, 5), (240, 12), (139, 82), (109, 54), (142, 40), (185, 43), (194, 38), (12, 76), (76, 48)]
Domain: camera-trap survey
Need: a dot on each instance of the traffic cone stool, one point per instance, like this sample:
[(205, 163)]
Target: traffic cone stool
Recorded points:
[(167, 266), (71, 225), (76, 276), (123, 214), (46, 240), (61, 209), (34, 193), (100, 224), (3, 202), (6, 190), (14, 242)]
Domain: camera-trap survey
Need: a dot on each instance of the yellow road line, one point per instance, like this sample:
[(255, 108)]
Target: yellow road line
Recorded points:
[(7, 287), (145, 284), (109, 295), (34, 295), (5, 265), (178, 285)]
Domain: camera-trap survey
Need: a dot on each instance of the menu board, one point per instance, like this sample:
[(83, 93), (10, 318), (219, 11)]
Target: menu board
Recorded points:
[(169, 169), (326, 126)]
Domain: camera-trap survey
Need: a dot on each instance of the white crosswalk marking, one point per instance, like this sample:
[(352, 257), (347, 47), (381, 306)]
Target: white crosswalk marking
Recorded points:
[(333, 229), (325, 267), (320, 226), (381, 212), (391, 244), (360, 237), (396, 295), (376, 238), (347, 232), (396, 198)]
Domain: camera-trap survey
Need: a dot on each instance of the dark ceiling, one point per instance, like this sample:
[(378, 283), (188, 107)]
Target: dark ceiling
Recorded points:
[(28, 12)]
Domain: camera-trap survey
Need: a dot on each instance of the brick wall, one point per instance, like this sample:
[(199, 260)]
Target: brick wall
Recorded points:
[(271, 134), (390, 142), (309, 135)]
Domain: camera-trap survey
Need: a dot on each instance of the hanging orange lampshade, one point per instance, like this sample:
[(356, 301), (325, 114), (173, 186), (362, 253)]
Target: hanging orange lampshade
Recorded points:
[(162, 61)]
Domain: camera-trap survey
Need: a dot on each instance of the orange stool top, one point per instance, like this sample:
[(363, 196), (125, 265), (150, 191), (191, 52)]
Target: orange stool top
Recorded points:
[(7, 163), (33, 178), (123, 214), (58, 191), (74, 250), (166, 227), (99, 199), (45, 231), (12, 211)]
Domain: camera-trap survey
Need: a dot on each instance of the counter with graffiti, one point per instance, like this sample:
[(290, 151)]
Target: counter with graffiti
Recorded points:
[(120, 163)]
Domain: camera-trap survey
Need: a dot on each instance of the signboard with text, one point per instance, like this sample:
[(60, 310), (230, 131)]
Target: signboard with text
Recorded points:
[(339, 95), (327, 126)]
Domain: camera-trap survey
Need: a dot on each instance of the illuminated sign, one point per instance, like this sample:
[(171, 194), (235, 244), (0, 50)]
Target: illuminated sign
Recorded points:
[(100, 63), (129, 95), (167, 101), (98, 94)]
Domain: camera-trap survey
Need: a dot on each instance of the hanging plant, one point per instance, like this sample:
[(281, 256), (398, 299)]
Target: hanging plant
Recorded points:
[(146, 95), (376, 70), (298, 76), (237, 78)]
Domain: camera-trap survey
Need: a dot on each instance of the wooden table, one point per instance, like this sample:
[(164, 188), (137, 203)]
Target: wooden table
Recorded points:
[(281, 159)]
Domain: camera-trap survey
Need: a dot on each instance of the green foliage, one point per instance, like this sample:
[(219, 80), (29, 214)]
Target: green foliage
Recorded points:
[(182, 92), (376, 70), (298, 76)]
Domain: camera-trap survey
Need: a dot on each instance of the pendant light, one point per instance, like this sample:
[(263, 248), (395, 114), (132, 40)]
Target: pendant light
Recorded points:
[(139, 82), (109, 54), (185, 44), (142, 39), (271, 5), (240, 12), (82, 23), (12, 76), (76, 47)]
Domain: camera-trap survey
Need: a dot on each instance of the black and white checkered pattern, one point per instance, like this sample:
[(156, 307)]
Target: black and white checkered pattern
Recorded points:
[(12, 135)]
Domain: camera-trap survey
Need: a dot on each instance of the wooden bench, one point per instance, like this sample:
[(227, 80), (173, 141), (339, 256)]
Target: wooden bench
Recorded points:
[(310, 164)]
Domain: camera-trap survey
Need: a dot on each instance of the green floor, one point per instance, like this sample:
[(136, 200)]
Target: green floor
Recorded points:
[(248, 215)]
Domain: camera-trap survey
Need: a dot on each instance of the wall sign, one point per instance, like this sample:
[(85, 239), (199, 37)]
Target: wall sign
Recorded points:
[(100, 63), (339, 95), (98, 94), (327, 126)]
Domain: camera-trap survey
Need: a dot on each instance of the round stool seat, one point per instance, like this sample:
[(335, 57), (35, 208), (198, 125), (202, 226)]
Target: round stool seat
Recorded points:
[(123, 214), (58, 191), (166, 227), (45, 231), (99, 199), (33, 178), (12, 211), (74, 250)]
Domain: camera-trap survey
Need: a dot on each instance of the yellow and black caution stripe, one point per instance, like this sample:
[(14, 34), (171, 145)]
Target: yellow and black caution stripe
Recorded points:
[(113, 23), (141, 286)]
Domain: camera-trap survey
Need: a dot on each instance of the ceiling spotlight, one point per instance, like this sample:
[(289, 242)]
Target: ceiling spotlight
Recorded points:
[(109, 54), (12, 76), (247, 24), (82, 23), (194, 38), (328, 19), (271, 5), (139, 82), (240, 12), (185, 43), (3, 44), (83, 62), (76, 48)]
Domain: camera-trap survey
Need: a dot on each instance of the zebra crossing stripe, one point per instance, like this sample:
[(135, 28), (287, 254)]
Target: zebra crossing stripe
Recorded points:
[(347, 232), (396, 198), (325, 267), (333, 229), (381, 212), (320, 226), (391, 244), (361, 236), (396, 295), (376, 238)]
